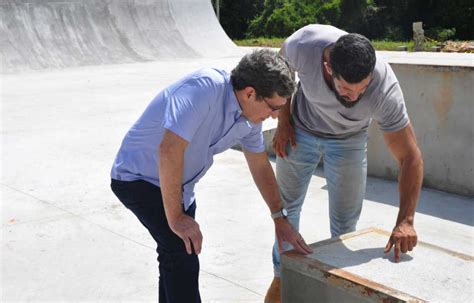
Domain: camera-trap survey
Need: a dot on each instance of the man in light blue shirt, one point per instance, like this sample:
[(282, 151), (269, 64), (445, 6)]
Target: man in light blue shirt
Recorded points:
[(171, 147)]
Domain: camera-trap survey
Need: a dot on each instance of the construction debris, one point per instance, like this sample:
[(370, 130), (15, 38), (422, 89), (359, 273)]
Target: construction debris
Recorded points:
[(458, 47)]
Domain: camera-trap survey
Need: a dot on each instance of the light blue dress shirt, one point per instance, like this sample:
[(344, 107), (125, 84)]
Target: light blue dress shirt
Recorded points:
[(203, 110)]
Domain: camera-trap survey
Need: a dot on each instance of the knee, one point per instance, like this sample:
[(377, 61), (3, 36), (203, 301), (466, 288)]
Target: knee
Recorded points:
[(178, 262), (343, 225)]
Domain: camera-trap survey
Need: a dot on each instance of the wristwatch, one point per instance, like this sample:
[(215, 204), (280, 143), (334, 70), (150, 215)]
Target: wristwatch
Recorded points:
[(281, 213)]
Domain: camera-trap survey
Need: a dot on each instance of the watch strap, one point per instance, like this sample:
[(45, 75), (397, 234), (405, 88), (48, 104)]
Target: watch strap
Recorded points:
[(280, 213)]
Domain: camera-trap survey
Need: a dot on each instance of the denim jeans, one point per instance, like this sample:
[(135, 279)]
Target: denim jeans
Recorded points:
[(345, 169), (179, 272)]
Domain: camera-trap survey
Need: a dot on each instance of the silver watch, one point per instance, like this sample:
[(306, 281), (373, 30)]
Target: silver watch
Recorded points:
[(281, 213)]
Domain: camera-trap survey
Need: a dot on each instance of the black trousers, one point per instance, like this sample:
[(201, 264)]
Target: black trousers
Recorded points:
[(179, 272)]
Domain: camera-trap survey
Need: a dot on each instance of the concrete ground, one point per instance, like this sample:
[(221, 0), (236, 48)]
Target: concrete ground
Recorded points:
[(65, 237)]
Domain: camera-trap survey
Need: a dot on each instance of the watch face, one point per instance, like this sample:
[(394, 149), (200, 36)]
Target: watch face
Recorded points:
[(284, 212)]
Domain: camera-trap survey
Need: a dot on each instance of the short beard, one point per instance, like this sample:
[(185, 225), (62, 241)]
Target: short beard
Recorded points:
[(344, 102)]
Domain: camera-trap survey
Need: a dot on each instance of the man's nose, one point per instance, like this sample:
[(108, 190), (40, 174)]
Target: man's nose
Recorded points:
[(353, 96), (275, 114)]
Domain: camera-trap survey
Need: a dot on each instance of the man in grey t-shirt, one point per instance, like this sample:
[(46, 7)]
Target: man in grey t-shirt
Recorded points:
[(343, 85)]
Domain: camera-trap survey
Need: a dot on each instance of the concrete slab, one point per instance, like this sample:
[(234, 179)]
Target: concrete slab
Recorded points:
[(64, 260), (25, 208), (352, 268), (58, 256)]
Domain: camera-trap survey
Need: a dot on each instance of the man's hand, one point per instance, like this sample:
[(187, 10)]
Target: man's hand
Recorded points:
[(403, 237), (285, 133), (285, 232), (188, 230)]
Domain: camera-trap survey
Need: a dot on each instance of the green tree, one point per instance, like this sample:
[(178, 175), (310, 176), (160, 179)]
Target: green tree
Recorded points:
[(454, 14), (376, 19), (438, 16), (280, 18), (235, 16)]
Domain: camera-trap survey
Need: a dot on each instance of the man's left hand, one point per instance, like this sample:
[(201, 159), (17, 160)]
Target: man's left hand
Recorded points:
[(403, 237), (285, 232)]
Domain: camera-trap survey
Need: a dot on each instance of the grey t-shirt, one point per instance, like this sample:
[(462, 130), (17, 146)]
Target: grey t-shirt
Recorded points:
[(315, 108)]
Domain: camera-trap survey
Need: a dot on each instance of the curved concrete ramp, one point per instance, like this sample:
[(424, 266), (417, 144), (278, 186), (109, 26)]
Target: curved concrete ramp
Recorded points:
[(41, 34)]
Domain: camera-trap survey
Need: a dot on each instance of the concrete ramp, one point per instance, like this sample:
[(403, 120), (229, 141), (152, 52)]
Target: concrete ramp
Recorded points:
[(42, 34)]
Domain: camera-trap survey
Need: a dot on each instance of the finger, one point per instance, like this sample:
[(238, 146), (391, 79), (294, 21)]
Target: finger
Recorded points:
[(283, 150), (280, 245), (404, 245), (396, 251), (281, 153), (278, 152), (197, 243), (275, 147), (410, 245), (297, 245), (388, 247), (299, 248), (293, 140), (187, 243), (415, 240), (307, 249)]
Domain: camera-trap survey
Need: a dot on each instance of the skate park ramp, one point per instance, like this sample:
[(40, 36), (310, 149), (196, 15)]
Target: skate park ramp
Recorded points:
[(44, 34)]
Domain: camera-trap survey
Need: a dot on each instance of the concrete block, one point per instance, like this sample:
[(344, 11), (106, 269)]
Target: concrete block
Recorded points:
[(353, 268)]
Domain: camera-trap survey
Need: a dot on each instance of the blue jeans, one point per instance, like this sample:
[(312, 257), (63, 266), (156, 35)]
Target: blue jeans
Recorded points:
[(179, 272), (345, 168)]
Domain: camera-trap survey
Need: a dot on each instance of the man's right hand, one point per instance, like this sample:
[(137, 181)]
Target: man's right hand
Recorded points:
[(285, 232), (285, 133), (188, 230)]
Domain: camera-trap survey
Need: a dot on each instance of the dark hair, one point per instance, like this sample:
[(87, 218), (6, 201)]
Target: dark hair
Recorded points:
[(352, 58), (265, 71)]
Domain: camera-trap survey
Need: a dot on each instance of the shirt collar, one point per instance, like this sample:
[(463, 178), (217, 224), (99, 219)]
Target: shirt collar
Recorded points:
[(231, 102)]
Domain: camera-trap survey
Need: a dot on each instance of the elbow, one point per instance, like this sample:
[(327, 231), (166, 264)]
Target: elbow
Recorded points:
[(414, 161), (165, 149), (418, 159)]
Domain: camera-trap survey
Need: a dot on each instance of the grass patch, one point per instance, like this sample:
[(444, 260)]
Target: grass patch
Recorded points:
[(378, 44), (395, 45), (263, 42)]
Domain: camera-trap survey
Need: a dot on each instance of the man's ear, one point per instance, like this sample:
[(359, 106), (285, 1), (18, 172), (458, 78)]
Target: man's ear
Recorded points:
[(328, 68), (249, 91)]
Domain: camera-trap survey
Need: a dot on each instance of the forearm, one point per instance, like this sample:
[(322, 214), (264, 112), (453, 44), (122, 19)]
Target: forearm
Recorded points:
[(284, 117), (171, 154), (410, 181), (265, 180), (170, 173), (268, 188)]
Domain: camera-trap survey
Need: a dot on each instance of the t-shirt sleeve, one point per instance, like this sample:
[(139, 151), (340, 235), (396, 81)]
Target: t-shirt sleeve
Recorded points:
[(188, 106), (391, 113), (253, 142), (291, 52)]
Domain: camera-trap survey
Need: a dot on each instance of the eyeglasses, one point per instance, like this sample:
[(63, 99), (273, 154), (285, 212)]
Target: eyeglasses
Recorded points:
[(274, 108)]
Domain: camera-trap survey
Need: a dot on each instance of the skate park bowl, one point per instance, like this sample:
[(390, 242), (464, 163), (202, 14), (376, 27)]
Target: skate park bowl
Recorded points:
[(75, 75), (56, 34)]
